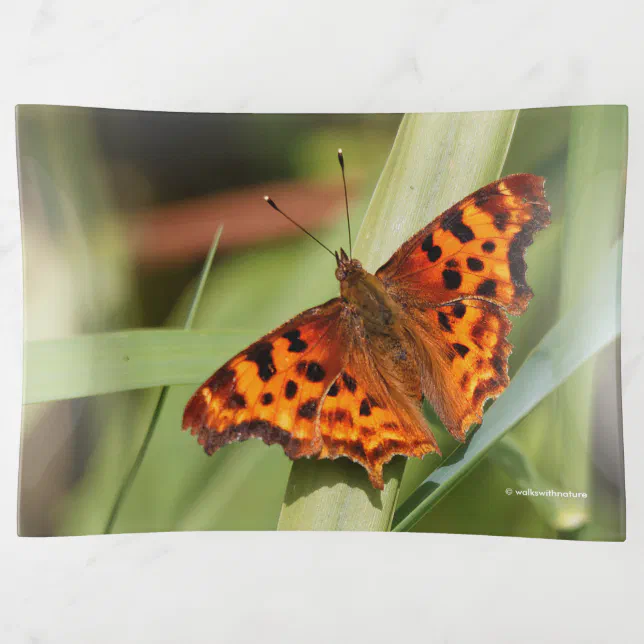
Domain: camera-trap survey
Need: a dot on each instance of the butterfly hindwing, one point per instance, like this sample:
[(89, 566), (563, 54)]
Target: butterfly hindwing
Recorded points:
[(368, 427), (474, 336), (272, 390)]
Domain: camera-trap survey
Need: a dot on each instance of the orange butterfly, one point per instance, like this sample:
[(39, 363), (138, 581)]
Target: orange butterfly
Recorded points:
[(346, 378)]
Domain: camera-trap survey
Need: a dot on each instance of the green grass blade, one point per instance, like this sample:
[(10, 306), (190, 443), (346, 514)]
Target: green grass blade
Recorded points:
[(103, 363), (128, 481), (436, 160), (578, 335), (131, 476), (205, 271)]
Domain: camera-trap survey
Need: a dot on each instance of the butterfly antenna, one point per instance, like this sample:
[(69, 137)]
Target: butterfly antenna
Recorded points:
[(346, 198), (273, 205)]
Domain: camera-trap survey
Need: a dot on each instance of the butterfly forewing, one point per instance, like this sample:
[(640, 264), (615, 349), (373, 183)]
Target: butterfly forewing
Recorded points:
[(474, 249), (273, 389)]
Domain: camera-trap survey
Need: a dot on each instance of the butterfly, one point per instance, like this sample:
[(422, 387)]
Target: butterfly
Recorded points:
[(347, 378)]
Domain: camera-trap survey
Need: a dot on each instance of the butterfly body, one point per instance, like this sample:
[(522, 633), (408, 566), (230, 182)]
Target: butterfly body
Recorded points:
[(366, 296), (346, 378)]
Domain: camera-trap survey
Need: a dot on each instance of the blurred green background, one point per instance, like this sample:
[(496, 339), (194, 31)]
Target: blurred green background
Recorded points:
[(119, 209)]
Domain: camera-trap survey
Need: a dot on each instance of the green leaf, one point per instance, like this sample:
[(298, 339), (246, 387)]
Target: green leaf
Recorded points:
[(102, 363), (581, 333), (436, 160)]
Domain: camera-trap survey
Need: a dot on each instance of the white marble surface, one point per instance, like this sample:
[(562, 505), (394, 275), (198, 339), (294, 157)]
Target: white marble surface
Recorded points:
[(331, 56)]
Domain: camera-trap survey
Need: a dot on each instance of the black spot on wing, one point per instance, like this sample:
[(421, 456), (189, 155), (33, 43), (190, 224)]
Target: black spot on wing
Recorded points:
[(453, 223), (433, 252), (297, 344), (267, 398), (428, 242), (459, 310), (488, 246), (461, 349), (365, 408), (237, 401), (486, 288), (443, 320), (315, 372), (309, 408), (339, 416), (262, 355), (350, 383), (334, 389), (451, 279), (474, 264), (290, 390)]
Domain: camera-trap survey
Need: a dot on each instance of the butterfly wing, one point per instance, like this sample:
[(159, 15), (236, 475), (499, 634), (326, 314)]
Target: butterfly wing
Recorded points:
[(313, 386), (463, 353), (371, 412), (272, 390), (475, 249), (458, 278)]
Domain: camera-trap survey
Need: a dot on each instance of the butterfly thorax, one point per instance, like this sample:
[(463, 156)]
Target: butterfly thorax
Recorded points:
[(366, 295)]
